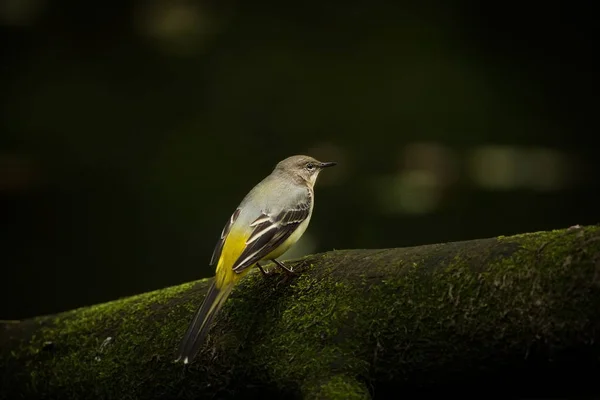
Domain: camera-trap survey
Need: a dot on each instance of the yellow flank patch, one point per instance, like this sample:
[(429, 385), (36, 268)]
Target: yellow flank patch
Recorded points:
[(232, 248)]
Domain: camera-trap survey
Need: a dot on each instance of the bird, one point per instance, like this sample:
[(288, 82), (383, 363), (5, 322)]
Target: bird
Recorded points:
[(270, 219)]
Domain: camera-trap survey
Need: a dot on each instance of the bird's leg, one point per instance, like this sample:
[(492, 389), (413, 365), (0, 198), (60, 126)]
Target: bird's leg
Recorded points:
[(286, 269), (265, 273)]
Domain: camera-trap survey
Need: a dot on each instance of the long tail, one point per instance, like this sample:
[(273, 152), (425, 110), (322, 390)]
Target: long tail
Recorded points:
[(200, 325)]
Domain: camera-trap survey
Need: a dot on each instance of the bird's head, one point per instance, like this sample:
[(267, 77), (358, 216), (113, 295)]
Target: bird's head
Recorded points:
[(303, 167)]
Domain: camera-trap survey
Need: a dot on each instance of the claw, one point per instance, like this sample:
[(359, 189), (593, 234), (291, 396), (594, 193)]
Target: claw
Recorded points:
[(289, 271), (265, 273)]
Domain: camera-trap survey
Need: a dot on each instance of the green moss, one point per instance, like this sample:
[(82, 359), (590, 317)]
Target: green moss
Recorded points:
[(303, 343), (303, 338), (339, 387), (90, 344), (504, 294), (348, 320)]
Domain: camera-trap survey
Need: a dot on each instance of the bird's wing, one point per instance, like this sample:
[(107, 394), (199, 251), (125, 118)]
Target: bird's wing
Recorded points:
[(219, 247), (270, 230)]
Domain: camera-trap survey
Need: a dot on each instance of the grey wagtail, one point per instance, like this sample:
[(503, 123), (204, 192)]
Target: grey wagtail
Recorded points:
[(268, 221)]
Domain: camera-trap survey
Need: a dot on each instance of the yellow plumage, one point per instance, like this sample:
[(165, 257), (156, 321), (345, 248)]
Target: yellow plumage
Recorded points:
[(233, 247), (225, 280)]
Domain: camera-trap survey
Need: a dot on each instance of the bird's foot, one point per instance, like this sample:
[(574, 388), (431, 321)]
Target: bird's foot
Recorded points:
[(264, 272), (288, 271)]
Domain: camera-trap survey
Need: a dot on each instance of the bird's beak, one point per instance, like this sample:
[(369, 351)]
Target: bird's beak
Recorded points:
[(327, 164)]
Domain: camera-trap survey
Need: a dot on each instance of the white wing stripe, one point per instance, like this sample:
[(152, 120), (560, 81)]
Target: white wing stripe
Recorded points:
[(261, 220), (249, 257), (294, 221), (259, 234)]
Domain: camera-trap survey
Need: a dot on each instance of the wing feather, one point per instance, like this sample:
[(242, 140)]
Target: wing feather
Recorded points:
[(270, 231)]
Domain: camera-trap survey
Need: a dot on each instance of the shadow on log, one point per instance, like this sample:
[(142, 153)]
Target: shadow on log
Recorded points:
[(508, 317)]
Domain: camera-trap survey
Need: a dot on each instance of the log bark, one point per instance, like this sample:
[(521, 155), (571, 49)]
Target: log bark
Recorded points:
[(516, 316)]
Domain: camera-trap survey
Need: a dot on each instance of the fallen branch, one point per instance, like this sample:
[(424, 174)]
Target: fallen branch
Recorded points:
[(521, 313)]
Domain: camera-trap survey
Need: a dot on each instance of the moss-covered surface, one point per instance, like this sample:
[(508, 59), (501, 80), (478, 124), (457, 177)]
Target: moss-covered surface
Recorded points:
[(520, 311)]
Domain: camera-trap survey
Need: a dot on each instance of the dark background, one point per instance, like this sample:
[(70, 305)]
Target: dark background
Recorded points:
[(130, 130)]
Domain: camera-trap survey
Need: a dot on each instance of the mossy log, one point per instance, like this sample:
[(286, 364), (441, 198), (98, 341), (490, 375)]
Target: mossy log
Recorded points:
[(519, 314)]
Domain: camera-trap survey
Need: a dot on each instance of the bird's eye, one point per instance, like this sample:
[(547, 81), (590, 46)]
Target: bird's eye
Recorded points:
[(310, 166)]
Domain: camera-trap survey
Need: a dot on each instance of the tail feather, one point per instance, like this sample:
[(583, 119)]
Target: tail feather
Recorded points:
[(200, 325)]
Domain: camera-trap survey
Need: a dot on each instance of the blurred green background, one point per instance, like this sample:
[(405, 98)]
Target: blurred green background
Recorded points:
[(130, 130)]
